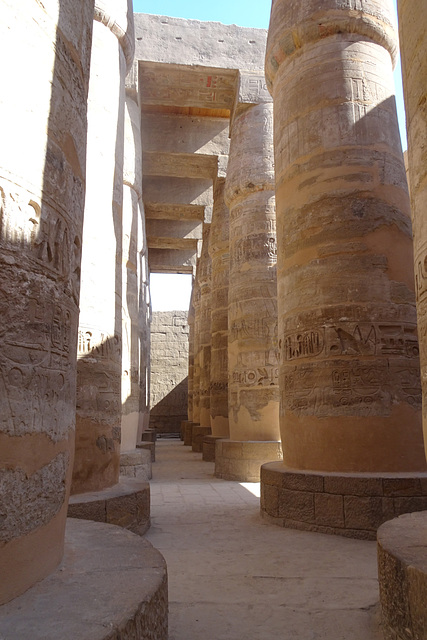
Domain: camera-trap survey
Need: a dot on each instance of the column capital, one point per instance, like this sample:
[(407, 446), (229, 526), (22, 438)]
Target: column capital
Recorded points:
[(251, 90)]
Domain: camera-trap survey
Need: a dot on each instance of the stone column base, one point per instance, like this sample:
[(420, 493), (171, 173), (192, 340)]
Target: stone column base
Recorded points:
[(126, 504), (198, 434), (242, 460), (110, 584), (188, 433), (402, 573), (148, 446), (209, 444), (352, 505), (183, 427), (137, 463)]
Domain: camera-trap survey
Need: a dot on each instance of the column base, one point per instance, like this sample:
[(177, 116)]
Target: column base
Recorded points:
[(188, 433), (148, 446), (353, 505), (402, 572), (126, 505), (209, 444), (136, 463), (111, 583), (242, 460), (183, 427), (198, 434)]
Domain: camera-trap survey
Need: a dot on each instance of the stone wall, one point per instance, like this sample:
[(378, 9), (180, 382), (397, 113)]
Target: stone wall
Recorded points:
[(169, 370)]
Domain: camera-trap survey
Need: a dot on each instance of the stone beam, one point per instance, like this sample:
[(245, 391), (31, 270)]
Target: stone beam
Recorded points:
[(180, 165), (172, 211), (171, 261), (182, 244)]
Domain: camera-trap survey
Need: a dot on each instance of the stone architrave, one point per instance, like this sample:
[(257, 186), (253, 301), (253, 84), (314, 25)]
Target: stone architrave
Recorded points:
[(252, 316), (413, 34), (349, 376), (98, 417), (205, 274), (42, 190), (219, 253), (132, 285), (196, 348)]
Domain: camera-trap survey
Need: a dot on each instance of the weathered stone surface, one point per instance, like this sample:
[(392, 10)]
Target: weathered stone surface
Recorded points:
[(219, 253), (402, 573), (126, 573), (413, 31), (98, 416), (136, 464), (351, 505), (241, 461), (169, 370), (347, 325), (126, 504), (252, 320), (42, 190)]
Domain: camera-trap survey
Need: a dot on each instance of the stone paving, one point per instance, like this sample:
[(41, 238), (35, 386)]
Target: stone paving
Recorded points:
[(233, 576)]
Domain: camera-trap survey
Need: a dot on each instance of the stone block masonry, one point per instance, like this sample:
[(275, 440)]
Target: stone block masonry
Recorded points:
[(169, 370)]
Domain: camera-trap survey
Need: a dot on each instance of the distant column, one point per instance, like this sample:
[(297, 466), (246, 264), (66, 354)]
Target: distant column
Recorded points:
[(196, 343), (205, 273), (413, 34), (98, 420), (252, 315), (219, 252), (349, 378), (190, 357), (42, 191)]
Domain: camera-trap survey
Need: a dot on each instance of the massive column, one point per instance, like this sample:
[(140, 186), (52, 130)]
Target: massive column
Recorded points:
[(413, 34), (252, 315), (132, 285), (349, 377), (219, 253), (195, 347), (42, 187), (98, 417)]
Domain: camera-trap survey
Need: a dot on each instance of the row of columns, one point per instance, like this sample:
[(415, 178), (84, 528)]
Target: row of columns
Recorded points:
[(334, 344)]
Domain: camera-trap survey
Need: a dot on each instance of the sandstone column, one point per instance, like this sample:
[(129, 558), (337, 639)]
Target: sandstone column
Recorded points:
[(98, 418), (195, 301), (42, 187), (132, 287), (413, 34), (219, 252), (252, 319), (349, 379), (204, 339)]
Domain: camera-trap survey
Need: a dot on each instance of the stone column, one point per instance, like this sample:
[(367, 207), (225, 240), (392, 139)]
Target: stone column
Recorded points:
[(42, 189), (204, 340), (190, 358), (133, 249), (195, 297), (252, 316), (413, 34), (219, 253), (99, 365), (349, 379)]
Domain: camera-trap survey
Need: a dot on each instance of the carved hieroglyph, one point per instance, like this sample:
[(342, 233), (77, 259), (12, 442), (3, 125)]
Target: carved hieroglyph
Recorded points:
[(42, 186), (349, 379), (205, 272), (134, 281), (413, 34), (219, 252), (252, 320), (99, 368)]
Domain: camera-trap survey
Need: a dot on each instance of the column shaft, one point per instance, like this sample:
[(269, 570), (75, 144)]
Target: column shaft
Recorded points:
[(42, 190), (98, 419), (219, 252), (205, 273)]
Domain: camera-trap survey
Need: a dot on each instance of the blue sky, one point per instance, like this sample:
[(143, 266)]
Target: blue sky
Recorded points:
[(245, 13)]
